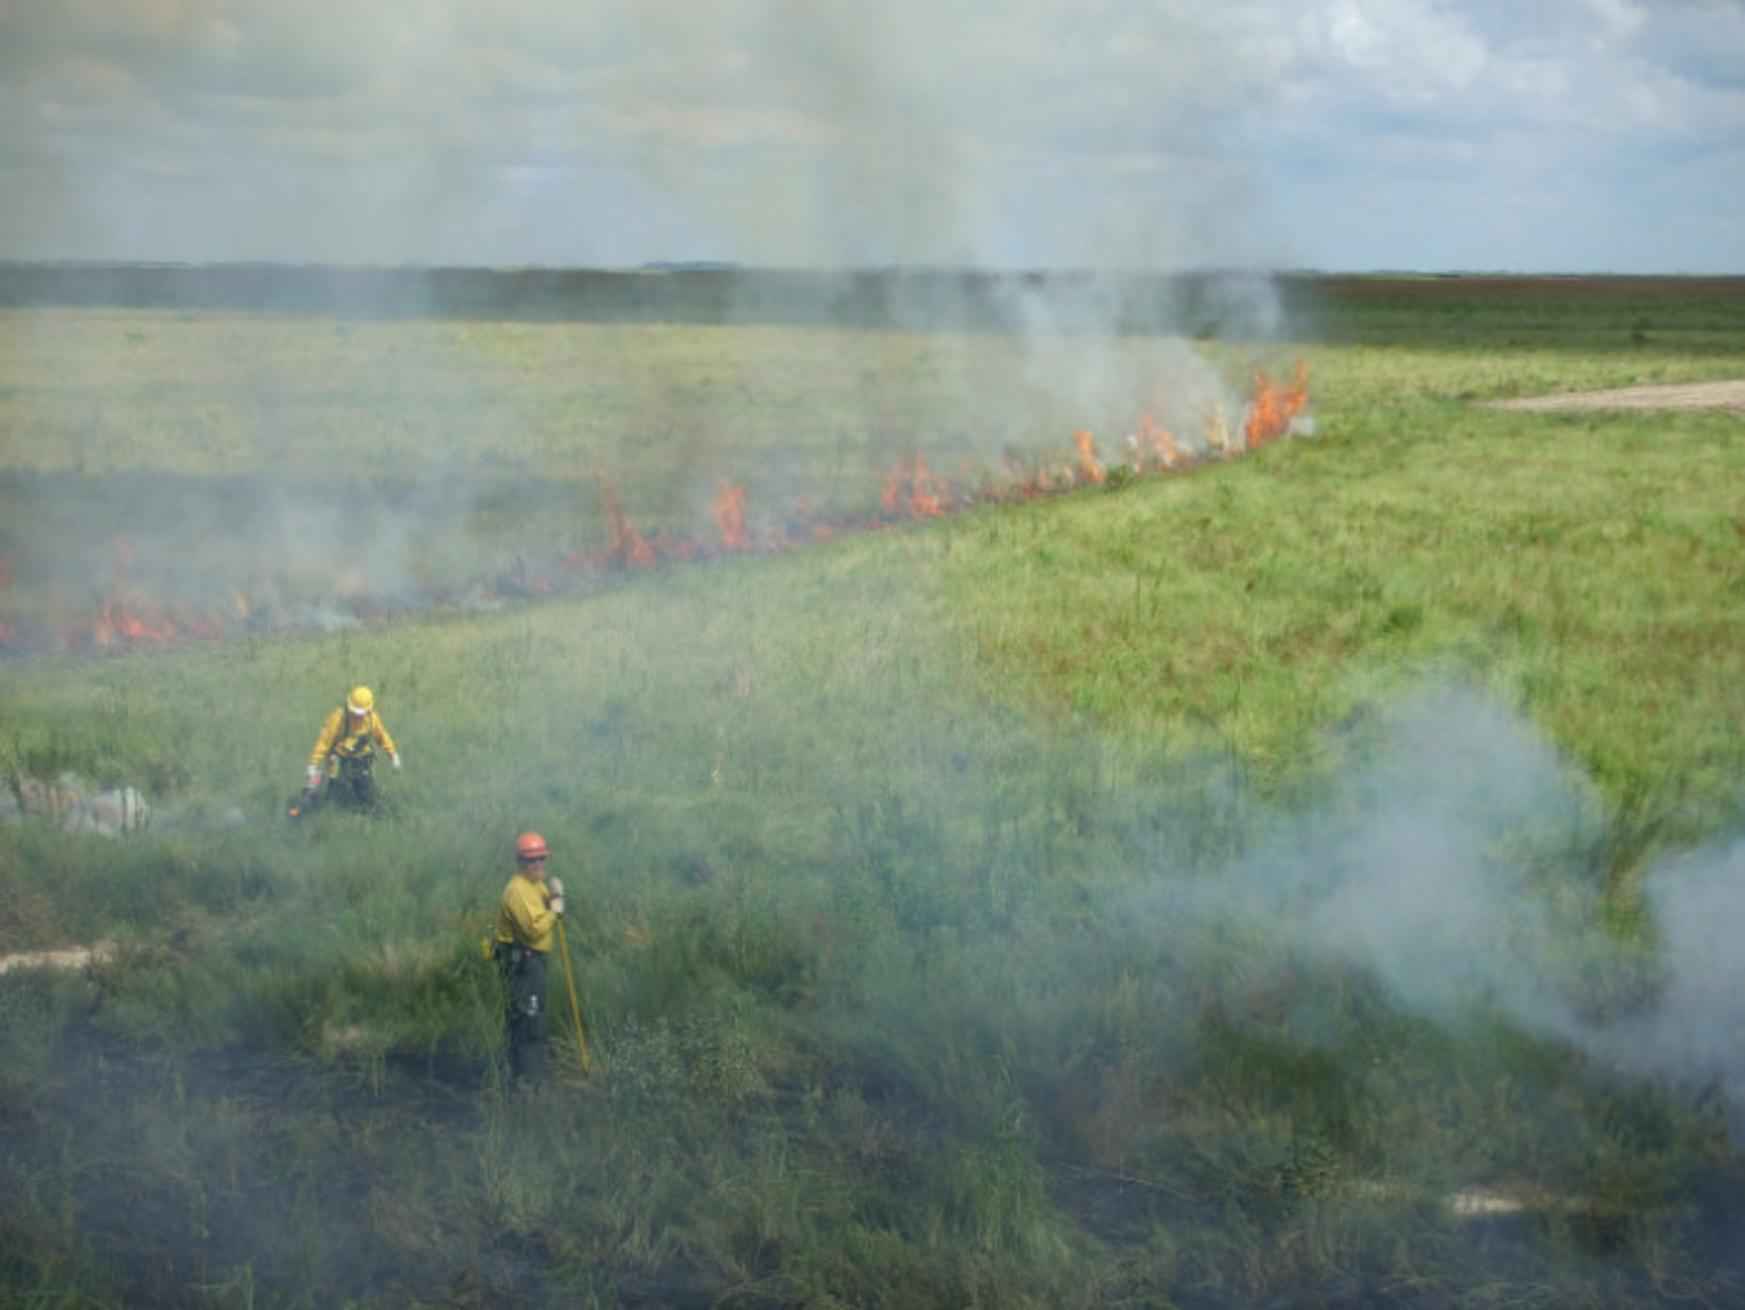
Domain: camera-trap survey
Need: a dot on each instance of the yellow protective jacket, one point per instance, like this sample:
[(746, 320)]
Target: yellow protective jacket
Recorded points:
[(337, 738), (525, 915)]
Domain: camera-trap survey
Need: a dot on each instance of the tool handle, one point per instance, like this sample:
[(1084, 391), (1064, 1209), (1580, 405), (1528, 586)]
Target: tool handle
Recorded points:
[(575, 1008)]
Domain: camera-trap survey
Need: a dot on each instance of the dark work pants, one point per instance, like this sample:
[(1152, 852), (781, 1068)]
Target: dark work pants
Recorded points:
[(355, 787), (352, 788), (524, 979)]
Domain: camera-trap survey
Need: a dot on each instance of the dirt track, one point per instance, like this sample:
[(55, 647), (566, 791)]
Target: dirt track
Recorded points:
[(1686, 395)]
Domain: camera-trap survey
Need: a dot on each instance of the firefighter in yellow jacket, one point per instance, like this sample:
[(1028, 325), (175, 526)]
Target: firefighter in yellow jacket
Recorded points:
[(526, 918), (344, 754)]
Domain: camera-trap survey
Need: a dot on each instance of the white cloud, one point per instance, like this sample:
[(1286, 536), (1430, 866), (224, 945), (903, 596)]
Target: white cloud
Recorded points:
[(1618, 18), (823, 130), (1407, 49)]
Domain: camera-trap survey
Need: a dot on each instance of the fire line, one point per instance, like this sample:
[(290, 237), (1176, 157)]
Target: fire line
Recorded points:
[(125, 618)]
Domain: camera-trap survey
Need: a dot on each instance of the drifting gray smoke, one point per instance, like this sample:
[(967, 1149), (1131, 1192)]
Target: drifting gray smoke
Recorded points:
[(1457, 857), (1698, 1029), (919, 140), (902, 137), (768, 132), (910, 134), (777, 133)]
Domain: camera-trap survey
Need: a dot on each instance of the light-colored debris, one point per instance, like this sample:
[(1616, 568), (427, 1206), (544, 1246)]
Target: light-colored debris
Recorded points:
[(1218, 438), (66, 957), (1683, 395), (1484, 1201), (75, 806), (1477, 1202), (113, 813), (350, 1039)]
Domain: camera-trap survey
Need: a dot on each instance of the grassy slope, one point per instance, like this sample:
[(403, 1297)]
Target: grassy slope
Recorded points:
[(857, 833), (1587, 566)]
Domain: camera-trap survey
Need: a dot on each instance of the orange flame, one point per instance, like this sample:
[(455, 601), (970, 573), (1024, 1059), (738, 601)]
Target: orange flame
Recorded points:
[(729, 511), (121, 617), (1274, 406), (927, 493), (626, 545), (117, 621), (1090, 469), (1156, 442), (911, 489)]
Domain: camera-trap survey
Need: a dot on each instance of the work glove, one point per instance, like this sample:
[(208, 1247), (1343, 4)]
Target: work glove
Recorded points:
[(556, 885), (557, 906), (394, 758), (312, 777)]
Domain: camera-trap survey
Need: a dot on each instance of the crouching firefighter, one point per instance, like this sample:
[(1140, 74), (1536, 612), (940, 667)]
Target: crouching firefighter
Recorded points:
[(530, 909), (345, 755)]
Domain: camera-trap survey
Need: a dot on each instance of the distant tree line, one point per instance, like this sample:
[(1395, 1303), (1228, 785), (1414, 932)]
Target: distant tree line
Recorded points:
[(1205, 303)]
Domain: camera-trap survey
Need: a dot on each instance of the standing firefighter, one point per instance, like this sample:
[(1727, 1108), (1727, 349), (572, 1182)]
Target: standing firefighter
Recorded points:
[(530, 910), (345, 753)]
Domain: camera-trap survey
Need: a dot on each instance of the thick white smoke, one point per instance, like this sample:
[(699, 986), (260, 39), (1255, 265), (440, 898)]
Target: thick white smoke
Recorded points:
[(1698, 903), (1455, 859)]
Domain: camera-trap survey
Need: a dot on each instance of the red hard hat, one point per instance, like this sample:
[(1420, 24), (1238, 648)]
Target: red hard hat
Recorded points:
[(530, 846)]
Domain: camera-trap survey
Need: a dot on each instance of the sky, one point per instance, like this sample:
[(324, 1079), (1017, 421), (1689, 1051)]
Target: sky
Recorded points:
[(1539, 135)]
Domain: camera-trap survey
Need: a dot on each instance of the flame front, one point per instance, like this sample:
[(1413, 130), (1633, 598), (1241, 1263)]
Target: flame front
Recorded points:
[(914, 489), (1274, 406), (729, 511), (124, 618), (1155, 443), (1090, 468), (117, 621), (626, 547)]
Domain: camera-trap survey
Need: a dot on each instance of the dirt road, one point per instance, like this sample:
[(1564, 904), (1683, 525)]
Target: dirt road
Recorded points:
[(1684, 395)]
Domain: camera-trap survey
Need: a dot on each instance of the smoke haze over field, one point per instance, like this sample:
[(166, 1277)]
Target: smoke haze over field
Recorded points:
[(1459, 859), (1586, 134), (783, 133), (1699, 908), (829, 873), (764, 131)]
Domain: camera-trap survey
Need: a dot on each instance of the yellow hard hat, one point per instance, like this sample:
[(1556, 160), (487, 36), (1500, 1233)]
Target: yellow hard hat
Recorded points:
[(360, 700)]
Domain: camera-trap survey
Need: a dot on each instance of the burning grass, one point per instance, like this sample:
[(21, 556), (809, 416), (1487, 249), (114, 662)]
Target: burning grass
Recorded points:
[(123, 612)]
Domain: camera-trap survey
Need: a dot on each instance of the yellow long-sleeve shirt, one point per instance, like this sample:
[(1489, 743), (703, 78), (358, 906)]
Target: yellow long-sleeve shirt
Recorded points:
[(525, 914), (338, 737)]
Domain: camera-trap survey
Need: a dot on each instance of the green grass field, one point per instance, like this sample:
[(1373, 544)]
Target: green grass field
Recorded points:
[(1168, 895)]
